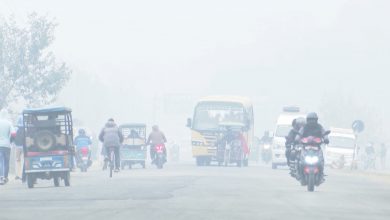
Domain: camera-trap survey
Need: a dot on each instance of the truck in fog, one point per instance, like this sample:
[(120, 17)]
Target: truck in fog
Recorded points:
[(212, 112)]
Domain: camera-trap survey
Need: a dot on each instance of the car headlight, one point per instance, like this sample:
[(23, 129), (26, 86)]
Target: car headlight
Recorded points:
[(311, 159)]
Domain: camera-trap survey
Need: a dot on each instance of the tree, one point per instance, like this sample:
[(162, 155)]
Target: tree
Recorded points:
[(28, 69)]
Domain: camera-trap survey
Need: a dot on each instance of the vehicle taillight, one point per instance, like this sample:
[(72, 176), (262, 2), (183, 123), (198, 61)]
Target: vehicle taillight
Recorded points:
[(84, 151)]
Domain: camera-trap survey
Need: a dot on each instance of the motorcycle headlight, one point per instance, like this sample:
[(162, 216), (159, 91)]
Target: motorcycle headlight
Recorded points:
[(311, 159), (267, 146)]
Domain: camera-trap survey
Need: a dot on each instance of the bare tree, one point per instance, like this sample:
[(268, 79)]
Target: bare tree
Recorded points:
[(28, 69)]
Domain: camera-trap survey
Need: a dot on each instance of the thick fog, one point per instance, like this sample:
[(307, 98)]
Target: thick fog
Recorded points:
[(149, 61)]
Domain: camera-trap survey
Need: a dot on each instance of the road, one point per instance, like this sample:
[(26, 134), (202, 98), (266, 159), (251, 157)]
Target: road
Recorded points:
[(183, 191)]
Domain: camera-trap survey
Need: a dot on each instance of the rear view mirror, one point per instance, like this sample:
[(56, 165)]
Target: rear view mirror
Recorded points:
[(189, 122), (327, 133)]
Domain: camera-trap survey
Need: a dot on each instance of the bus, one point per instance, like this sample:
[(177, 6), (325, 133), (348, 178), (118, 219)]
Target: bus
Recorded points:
[(213, 111)]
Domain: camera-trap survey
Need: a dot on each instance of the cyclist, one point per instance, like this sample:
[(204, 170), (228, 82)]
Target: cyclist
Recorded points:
[(112, 138)]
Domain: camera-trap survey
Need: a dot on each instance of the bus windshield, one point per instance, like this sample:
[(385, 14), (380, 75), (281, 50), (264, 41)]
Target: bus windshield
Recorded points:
[(209, 116)]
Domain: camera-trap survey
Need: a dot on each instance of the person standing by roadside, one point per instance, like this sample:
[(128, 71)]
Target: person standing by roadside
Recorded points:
[(5, 145), (383, 155), (19, 156)]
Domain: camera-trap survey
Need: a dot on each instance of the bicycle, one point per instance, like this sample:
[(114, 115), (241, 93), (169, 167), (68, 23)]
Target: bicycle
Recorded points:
[(111, 161)]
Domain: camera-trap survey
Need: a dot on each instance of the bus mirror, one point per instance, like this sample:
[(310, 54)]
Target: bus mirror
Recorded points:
[(189, 122)]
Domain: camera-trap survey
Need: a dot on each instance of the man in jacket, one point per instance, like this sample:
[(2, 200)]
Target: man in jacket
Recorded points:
[(5, 145), (112, 138)]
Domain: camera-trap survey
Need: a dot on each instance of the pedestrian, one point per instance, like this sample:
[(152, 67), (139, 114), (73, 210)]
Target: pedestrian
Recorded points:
[(6, 129), (383, 155), (19, 156)]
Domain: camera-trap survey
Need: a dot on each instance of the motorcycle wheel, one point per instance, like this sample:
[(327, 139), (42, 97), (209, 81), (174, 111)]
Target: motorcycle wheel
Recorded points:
[(159, 164), (56, 180), (310, 183)]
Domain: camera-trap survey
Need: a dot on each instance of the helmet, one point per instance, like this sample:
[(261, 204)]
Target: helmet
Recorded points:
[(111, 119), (312, 118), (155, 128), (81, 132), (301, 122), (294, 123)]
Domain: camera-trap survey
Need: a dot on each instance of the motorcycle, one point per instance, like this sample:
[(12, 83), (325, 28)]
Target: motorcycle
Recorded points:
[(311, 162), (84, 159), (266, 153), (160, 156)]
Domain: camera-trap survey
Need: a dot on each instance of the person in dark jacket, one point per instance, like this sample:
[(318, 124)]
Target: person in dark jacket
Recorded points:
[(297, 124), (111, 137)]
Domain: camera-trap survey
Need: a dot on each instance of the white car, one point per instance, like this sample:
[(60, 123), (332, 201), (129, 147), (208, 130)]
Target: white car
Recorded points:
[(342, 143), (283, 127)]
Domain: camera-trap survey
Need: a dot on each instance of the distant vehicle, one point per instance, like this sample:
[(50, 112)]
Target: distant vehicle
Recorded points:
[(160, 155), (230, 147), (339, 152), (209, 113), (48, 144), (133, 150), (283, 127)]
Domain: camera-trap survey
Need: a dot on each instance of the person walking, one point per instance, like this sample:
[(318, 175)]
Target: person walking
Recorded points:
[(6, 129)]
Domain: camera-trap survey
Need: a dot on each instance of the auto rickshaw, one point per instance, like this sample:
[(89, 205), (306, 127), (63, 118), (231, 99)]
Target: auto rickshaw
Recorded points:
[(133, 150), (230, 144), (48, 144)]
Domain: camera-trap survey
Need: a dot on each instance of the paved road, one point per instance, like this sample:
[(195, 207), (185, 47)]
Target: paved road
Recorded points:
[(183, 191)]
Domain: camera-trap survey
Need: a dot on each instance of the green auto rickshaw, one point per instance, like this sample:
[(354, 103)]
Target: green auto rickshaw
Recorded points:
[(133, 150)]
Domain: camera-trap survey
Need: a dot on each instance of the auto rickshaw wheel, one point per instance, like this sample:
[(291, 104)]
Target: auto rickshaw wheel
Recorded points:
[(30, 181), (67, 178), (56, 180), (44, 140)]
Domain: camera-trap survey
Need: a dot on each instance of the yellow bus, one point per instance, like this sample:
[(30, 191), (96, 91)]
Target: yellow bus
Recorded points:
[(209, 114)]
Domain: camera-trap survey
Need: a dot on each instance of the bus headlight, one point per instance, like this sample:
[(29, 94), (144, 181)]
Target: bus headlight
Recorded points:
[(197, 143)]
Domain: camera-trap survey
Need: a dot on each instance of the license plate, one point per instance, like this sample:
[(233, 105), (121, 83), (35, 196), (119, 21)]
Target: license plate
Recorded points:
[(45, 159)]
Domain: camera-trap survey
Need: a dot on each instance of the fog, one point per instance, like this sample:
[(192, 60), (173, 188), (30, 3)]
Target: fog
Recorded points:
[(131, 60), (149, 61)]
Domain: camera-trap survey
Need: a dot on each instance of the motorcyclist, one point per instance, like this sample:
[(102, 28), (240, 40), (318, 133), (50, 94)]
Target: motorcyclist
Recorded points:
[(313, 128), (290, 139), (111, 137), (156, 137), (82, 140), (266, 139)]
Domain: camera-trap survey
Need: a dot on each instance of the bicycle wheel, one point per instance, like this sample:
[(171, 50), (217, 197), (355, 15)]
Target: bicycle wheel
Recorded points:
[(112, 161)]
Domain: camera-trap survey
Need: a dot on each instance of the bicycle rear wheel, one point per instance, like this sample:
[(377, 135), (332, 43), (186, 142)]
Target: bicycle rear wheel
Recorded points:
[(112, 161)]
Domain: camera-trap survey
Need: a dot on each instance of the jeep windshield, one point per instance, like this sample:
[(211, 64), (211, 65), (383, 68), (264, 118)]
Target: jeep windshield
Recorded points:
[(209, 116)]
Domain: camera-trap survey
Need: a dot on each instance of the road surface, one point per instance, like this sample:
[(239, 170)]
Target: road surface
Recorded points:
[(183, 191)]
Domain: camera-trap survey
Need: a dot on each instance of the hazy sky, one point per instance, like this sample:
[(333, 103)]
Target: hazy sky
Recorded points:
[(276, 52)]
